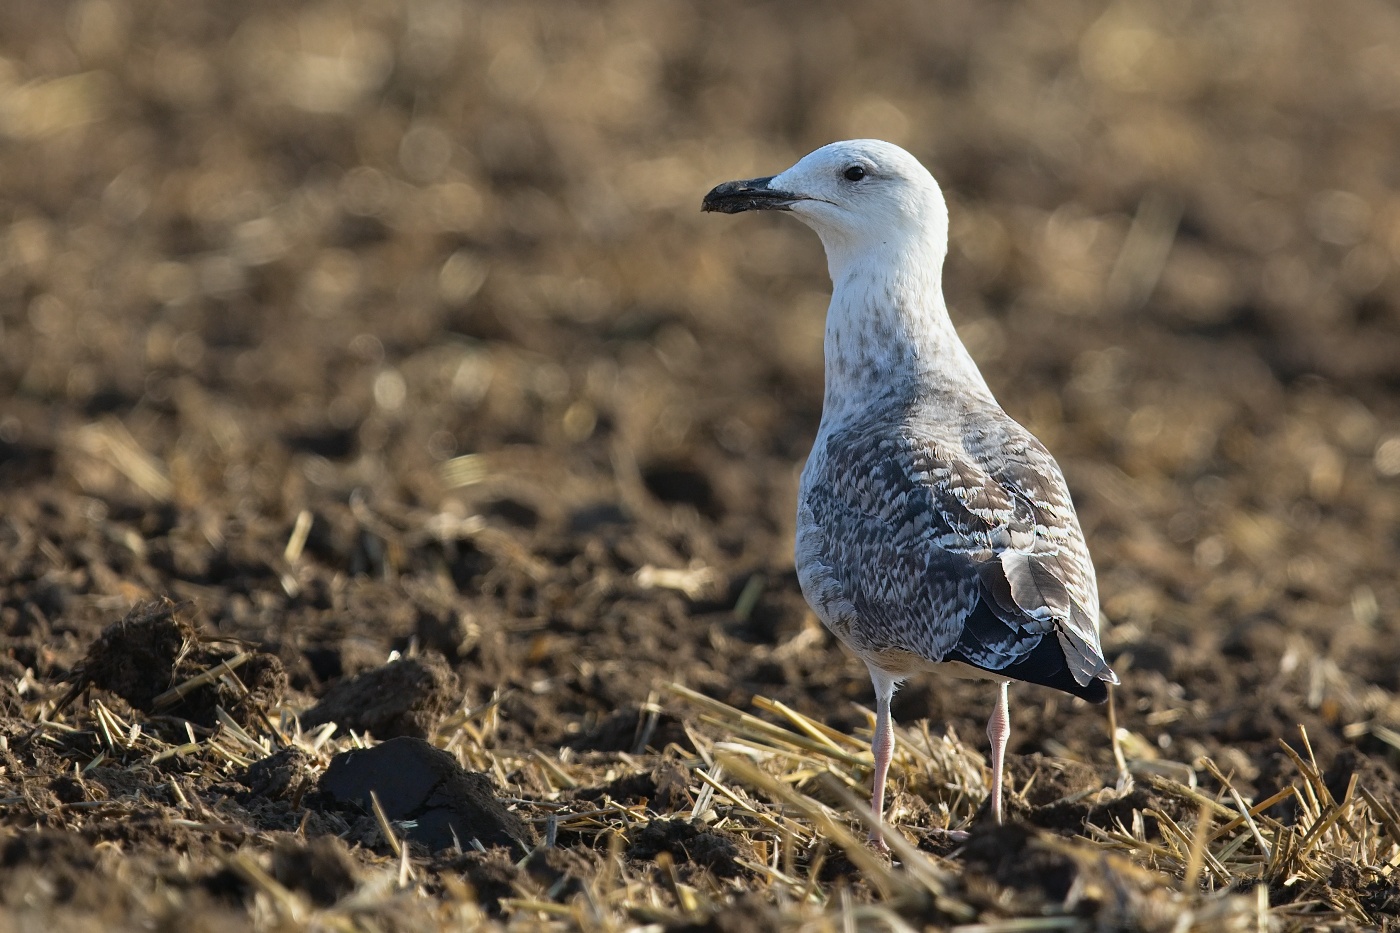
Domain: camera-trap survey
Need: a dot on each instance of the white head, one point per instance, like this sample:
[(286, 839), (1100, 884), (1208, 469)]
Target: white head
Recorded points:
[(867, 199), (884, 223)]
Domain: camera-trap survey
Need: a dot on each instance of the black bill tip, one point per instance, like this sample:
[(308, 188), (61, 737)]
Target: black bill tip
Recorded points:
[(755, 194)]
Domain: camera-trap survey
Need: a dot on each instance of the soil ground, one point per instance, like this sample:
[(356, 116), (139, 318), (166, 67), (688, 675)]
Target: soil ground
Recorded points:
[(368, 372)]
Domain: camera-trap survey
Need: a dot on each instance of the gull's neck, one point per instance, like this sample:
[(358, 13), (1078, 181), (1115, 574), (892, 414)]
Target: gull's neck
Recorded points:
[(889, 340)]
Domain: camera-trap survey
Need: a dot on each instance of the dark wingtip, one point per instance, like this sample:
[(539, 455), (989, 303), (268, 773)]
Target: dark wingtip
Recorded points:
[(1096, 690), (1048, 665)]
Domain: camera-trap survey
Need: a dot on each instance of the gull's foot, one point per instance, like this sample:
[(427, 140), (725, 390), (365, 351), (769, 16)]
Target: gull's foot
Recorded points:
[(878, 843)]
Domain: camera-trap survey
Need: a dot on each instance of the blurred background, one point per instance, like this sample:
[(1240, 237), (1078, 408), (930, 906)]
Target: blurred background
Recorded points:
[(434, 275)]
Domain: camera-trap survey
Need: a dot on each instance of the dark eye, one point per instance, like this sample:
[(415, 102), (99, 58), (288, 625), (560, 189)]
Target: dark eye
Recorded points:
[(854, 173)]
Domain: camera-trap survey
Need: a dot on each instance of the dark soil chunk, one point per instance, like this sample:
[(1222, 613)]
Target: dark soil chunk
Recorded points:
[(152, 651), (321, 868), (446, 632), (1013, 856), (1378, 893), (1050, 779), (416, 782), (261, 676), (1370, 773), (68, 789), (136, 658), (227, 886), (115, 783), (685, 842), (1062, 795), (277, 774), (492, 876), (1106, 807), (627, 730), (561, 872), (747, 915), (665, 788), (681, 484), (266, 681), (66, 859), (404, 698)]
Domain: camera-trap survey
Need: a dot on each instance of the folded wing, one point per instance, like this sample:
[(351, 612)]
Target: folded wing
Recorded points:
[(962, 549)]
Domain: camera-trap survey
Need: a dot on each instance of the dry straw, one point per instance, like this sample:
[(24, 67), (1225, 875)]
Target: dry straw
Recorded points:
[(787, 791)]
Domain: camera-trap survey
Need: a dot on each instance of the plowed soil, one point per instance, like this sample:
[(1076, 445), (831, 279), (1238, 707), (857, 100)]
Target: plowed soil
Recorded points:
[(372, 365)]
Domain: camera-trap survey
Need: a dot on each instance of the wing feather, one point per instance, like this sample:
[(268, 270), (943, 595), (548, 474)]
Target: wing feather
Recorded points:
[(921, 533)]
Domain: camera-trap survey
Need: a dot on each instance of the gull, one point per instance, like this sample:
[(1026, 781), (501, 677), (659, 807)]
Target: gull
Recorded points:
[(934, 533)]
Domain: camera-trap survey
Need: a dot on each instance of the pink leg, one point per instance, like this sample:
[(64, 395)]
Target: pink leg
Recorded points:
[(882, 746), (998, 731)]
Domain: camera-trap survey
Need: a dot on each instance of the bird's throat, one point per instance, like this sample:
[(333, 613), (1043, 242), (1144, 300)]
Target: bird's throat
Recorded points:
[(888, 335)]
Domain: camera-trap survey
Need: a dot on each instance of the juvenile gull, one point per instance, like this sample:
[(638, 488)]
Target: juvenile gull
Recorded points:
[(933, 531)]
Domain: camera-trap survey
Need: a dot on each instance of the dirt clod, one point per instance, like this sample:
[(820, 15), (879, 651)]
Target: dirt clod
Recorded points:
[(321, 867), (631, 730), (151, 655), (492, 875), (665, 788), (277, 774), (747, 915), (1013, 856), (439, 803), (65, 859), (137, 658), (686, 842), (403, 698)]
